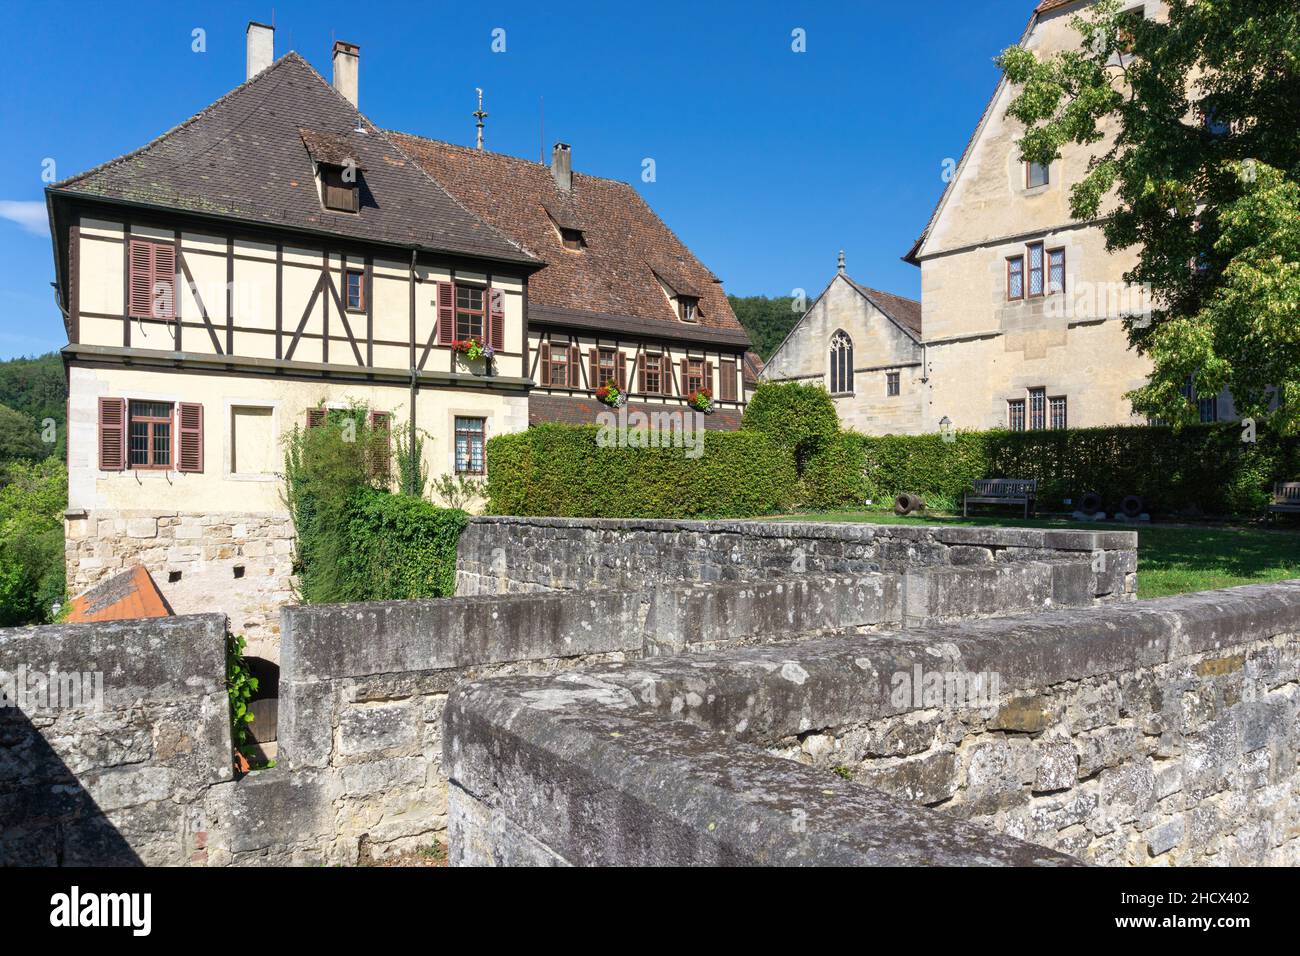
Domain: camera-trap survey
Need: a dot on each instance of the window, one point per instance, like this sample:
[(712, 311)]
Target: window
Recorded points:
[(1036, 174), (694, 375), (841, 363), (688, 308), (1055, 271), (1207, 407), (607, 367), (1036, 269), (1016, 277), (1056, 410), (354, 285), (342, 192), (252, 440), (469, 312), (727, 380), (572, 238), (150, 435), (1016, 414), (469, 445), (1037, 409), (891, 383), (652, 371), (559, 366), (152, 281)]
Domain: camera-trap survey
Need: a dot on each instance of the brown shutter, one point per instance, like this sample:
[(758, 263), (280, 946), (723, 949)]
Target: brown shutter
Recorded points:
[(315, 417), (665, 374), (640, 372), (727, 385), (496, 319), (575, 366), (682, 385), (112, 434), (545, 349), (163, 286), (190, 421), (708, 377), (140, 285), (593, 364), (382, 423), (446, 313), (620, 366)]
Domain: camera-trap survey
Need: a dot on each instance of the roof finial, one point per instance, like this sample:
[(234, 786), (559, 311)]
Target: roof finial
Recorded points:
[(479, 115), (839, 267)]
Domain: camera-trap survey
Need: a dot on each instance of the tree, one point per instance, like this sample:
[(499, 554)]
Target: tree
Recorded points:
[(20, 437), (37, 388), (767, 320), (1199, 177), (32, 500)]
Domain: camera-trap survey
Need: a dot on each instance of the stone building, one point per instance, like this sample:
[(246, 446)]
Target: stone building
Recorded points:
[(1021, 305), (278, 255)]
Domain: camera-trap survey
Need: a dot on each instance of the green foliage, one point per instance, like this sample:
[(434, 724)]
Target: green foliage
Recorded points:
[(32, 499), (799, 419), (412, 472), (240, 687), (459, 491), (399, 547), (1222, 195), (1199, 468), (38, 389), (767, 320), (20, 437), (564, 470)]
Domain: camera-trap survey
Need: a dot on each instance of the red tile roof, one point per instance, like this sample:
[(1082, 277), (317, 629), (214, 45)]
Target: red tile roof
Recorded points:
[(629, 250), (123, 597)]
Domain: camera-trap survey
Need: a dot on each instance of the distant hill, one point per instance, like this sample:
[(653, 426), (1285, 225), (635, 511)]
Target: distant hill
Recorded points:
[(767, 320), (31, 391)]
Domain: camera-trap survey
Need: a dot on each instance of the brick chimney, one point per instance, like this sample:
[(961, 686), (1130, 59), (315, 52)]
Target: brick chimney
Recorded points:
[(347, 59), (562, 166), (261, 48)]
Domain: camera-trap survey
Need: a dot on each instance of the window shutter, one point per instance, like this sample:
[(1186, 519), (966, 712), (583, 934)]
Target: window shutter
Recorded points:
[(545, 349), (497, 319), (708, 377), (112, 434), (620, 366), (190, 420), (727, 385), (640, 372), (685, 368), (575, 367), (665, 374), (446, 313), (162, 292), (593, 365), (315, 417), (140, 261), (382, 423)]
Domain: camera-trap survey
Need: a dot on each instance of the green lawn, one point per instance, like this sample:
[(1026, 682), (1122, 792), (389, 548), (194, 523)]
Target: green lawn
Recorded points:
[(1171, 558)]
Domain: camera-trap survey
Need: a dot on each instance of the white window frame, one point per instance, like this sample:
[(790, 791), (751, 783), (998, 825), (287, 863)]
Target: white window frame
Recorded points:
[(228, 435)]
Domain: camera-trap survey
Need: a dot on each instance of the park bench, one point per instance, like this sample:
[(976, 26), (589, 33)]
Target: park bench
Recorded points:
[(1286, 498), (1001, 491)]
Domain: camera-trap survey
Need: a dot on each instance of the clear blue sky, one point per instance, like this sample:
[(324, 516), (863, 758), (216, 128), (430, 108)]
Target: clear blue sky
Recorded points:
[(768, 161)]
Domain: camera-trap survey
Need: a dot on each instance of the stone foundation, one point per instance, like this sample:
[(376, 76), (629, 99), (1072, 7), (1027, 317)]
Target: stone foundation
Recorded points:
[(237, 564)]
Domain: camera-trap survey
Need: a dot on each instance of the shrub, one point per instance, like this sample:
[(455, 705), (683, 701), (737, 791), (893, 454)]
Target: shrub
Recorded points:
[(800, 419), (563, 470), (399, 547), (32, 499), (837, 475)]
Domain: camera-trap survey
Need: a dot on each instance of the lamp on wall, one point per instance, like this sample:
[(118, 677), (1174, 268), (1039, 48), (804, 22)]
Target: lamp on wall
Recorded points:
[(945, 422)]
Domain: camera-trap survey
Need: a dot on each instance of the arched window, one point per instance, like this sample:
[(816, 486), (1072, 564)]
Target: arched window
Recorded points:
[(841, 363)]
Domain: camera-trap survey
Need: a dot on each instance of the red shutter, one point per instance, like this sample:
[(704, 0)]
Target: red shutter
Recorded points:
[(446, 313), (315, 417), (640, 372), (163, 287), (140, 285), (112, 434), (575, 367), (382, 423), (545, 349), (593, 364), (497, 319), (620, 364), (190, 421), (708, 376)]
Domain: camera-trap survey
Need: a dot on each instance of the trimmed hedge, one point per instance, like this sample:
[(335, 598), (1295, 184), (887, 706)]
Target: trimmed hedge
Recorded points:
[(799, 419), (1200, 468), (562, 471), (399, 547)]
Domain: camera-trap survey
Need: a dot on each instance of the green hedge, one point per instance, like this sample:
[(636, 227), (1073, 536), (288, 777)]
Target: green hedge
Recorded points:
[(1201, 468), (799, 419), (398, 547), (562, 470)]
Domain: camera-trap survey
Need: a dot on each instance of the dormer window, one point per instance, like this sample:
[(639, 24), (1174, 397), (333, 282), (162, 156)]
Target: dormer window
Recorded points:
[(336, 191), (337, 170), (572, 238), (688, 308)]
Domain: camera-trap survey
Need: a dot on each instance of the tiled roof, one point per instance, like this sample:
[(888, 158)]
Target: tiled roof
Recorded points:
[(905, 312), (627, 245), (752, 368), (123, 597), (248, 156)]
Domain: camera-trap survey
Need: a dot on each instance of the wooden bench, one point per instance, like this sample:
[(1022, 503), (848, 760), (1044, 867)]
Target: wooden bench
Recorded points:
[(1001, 491), (1286, 498)]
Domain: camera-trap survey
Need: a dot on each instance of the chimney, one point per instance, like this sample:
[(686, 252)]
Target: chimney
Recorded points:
[(347, 57), (261, 47), (562, 166)]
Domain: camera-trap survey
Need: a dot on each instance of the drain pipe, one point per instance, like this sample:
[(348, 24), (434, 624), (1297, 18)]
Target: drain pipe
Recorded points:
[(415, 375)]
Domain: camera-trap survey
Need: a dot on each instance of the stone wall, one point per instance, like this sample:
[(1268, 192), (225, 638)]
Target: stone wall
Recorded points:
[(235, 564), (121, 775), (1156, 732), (514, 555)]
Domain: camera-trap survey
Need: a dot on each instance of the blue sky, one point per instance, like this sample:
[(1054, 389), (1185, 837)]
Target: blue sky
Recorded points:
[(768, 161)]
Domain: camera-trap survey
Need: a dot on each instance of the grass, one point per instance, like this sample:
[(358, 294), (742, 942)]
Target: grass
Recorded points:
[(1172, 559)]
